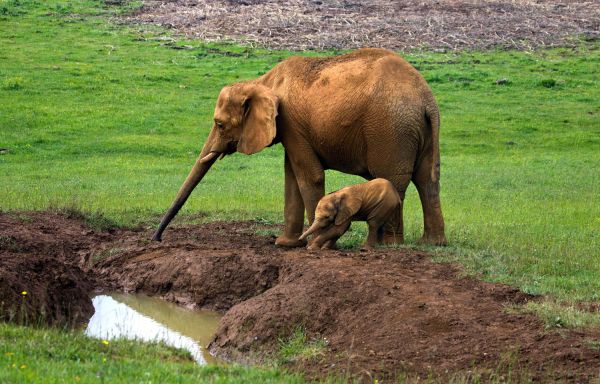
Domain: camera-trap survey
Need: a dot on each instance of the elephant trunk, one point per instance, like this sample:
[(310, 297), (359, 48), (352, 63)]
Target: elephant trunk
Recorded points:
[(206, 159), (313, 228)]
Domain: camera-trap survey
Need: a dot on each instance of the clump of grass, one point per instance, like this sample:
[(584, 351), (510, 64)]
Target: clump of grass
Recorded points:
[(12, 7), (548, 83), (593, 344), (557, 315), (100, 256), (299, 347), (96, 220), (508, 370), (63, 9), (13, 83), (9, 243)]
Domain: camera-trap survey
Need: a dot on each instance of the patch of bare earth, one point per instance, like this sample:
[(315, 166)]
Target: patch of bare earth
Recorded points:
[(399, 25), (384, 313)]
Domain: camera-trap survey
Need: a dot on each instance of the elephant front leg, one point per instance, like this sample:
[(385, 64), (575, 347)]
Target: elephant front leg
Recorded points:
[(293, 211)]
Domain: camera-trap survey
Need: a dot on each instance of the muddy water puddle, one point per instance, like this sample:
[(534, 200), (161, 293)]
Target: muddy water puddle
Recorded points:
[(150, 319)]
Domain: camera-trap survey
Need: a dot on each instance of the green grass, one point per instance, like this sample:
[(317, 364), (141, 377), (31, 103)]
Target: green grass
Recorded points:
[(556, 315), (299, 347), (109, 118), (53, 356)]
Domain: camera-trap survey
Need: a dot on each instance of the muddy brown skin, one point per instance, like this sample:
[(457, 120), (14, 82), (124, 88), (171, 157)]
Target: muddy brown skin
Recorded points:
[(367, 113), (375, 202)]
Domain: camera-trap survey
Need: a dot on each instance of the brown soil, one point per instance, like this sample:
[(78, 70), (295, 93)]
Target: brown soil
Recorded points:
[(40, 281), (382, 313), (344, 24)]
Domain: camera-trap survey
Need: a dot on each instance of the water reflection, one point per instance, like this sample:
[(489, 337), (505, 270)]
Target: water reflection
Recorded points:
[(149, 319)]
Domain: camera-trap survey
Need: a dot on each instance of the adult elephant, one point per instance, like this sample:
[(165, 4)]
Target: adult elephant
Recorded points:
[(366, 113)]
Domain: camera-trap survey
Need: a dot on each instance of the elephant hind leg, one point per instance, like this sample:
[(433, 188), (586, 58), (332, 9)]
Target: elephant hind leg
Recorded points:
[(429, 193)]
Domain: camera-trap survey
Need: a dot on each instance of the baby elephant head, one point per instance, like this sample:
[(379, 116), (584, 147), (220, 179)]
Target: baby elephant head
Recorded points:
[(336, 208)]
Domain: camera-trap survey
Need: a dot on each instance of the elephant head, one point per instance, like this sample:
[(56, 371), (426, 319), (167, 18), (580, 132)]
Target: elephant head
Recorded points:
[(244, 121), (336, 208)]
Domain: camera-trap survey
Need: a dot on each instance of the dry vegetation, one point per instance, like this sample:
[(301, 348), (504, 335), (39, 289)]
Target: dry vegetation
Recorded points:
[(402, 25)]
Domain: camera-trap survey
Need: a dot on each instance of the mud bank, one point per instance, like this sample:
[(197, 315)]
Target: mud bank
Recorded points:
[(383, 313), (41, 282)]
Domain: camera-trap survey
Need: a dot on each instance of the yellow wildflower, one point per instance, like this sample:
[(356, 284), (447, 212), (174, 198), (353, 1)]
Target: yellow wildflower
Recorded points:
[(24, 293), (105, 342), (23, 366)]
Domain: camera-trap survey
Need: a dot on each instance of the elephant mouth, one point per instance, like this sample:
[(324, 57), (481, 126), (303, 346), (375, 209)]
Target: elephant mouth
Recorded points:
[(231, 148)]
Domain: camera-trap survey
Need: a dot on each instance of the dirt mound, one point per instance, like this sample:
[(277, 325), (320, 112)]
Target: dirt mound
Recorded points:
[(391, 312), (383, 313), (343, 24), (40, 282)]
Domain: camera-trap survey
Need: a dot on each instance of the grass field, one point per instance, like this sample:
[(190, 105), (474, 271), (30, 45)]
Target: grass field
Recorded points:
[(109, 118)]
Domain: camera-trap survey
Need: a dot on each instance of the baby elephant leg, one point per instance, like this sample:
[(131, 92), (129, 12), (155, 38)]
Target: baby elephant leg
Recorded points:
[(372, 238), (375, 237), (326, 239), (330, 244)]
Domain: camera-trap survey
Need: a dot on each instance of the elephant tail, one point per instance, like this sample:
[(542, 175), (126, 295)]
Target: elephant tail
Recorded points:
[(433, 117)]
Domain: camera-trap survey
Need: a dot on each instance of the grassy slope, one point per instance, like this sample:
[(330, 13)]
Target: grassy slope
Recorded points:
[(109, 118)]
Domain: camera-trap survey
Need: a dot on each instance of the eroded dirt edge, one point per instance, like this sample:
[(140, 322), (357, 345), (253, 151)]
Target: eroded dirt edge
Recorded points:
[(382, 313)]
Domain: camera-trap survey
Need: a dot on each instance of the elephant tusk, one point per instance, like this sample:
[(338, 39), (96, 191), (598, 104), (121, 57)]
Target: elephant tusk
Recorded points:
[(209, 157)]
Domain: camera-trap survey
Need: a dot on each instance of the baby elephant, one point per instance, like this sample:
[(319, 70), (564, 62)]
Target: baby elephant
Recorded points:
[(375, 202)]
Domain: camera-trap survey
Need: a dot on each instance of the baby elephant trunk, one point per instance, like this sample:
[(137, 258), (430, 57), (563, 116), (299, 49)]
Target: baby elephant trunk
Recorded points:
[(310, 230)]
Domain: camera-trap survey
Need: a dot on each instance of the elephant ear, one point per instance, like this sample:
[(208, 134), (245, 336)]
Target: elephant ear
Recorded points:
[(348, 207), (258, 121)]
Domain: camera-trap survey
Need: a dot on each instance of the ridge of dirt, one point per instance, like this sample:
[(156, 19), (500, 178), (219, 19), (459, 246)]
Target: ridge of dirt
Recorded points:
[(383, 313), (399, 25)]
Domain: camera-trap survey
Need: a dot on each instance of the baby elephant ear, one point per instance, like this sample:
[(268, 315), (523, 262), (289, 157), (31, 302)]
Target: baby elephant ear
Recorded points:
[(258, 121), (348, 207)]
